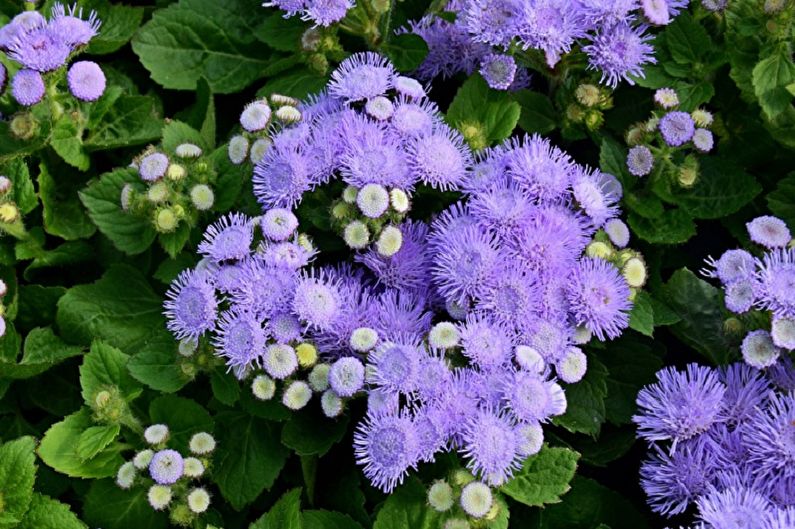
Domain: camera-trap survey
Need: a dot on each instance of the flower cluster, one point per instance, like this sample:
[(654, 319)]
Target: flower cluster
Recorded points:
[(666, 140), (460, 331), (320, 12), (171, 476), (721, 440), (378, 132), (765, 283), (43, 48), (612, 34), (462, 500), (257, 121)]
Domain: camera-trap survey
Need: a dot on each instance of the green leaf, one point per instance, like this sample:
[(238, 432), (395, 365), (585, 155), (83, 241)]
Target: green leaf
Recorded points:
[(66, 140), (641, 318), (257, 454), (129, 233), (184, 418), (17, 474), (538, 115), (58, 449), (691, 96), (310, 433), (226, 388), (319, 519), (120, 308), (47, 513), (174, 242), (230, 179), (585, 412), (407, 508), (129, 120), (674, 226), (781, 200), (95, 439), (544, 477), (406, 51), (22, 192), (687, 40), (491, 114), (285, 513), (104, 367), (109, 507), (770, 78), (613, 160), (700, 306), (203, 38), (37, 305), (63, 214), (67, 254), (156, 365), (283, 34), (632, 363), (43, 349), (722, 188)]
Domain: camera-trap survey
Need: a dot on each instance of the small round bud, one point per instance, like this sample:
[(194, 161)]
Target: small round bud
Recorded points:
[(297, 395), (666, 98), (153, 166), (258, 150), (166, 220), (444, 335), (587, 95), (346, 376), (356, 235), (441, 496), (126, 475), (102, 399), (288, 114), (571, 368), (156, 434), (531, 437), (389, 242), (280, 100), (158, 193), (772, 7), (331, 404), (280, 361), (476, 499), (159, 497), (461, 477), (27, 87), (598, 249), (635, 135), (341, 210), (143, 458), (202, 443), (9, 212), (594, 119), (24, 126), (318, 377), (181, 515), (635, 272), (263, 387), (193, 468), (307, 354), (127, 194), (5, 185), (305, 242), (399, 200), (618, 232), (582, 335), (3, 288), (529, 359), (198, 500), (687, 176), (380, 107), (373, 200), (166, 467), (188, 150), (310, 39), (474, 133), (702, 118), (783, 332), (758, 349), (187, 346), (255, 116), (363, 339), (349, 194), (575, 113), (458, 311), (202, 197), (238, 149), (733, 326)]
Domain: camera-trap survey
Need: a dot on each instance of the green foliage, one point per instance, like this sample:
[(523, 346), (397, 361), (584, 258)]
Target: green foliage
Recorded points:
[(17, 474), (544, 477), (483, 116)]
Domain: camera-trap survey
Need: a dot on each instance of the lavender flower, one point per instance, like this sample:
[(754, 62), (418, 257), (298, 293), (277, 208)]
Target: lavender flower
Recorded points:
[(386, 446), (499, 71), (768, 231), (27, 87), (640, 160), (620, 52), (191, 305), (677, 128), (599, 298)]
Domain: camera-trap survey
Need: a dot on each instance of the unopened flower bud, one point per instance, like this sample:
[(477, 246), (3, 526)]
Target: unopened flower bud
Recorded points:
[(166, 220), (288, 114), (307, 354), (158, 192), (175, 172), (202, 197), (9, 212), (5, 185), (587, 95), (24, 126)]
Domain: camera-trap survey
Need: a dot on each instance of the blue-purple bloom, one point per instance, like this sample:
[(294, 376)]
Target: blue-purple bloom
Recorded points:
[(677, 128), (27, 87), (86, 80), (191, 305), (620, 52), (498, 70)]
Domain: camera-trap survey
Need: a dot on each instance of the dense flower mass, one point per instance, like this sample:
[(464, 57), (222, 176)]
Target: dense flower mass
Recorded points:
[(459, 331), (763, 284), (721, 442)]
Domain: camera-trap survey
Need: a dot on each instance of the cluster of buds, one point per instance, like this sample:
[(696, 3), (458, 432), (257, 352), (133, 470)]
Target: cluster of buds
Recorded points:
[(588, 105), (465, 502), (295, 368), (10, 216), (371, 214), (175, 187), (257, 120), (670, 140), (610, 243), (170, 476), (319, 44)]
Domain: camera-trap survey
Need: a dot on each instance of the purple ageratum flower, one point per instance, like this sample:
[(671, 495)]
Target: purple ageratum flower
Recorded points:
[(373, 156), (492, 446), (317, 299), (533, 398), (282, 177), (680, 405), (264, 290), (620, 52), (153, 166), (430, 427), (746, 389), (498, 70), (464, 260), (703, 140), (599, 298), (450, 48), (284, 327), (677, 128), (27, 87), (494, 22), (86, 80), (504, 208), (656, 11), (510, 294), (3, 77), (346, 376), (673, 481), (386, 445), (409, 268), (400, 313), (70, 27), (770, 437), (409, 87), (39, 49), (229, 238), (547, 336), (290, 7), (362, 76), (599, 13), (640, 160), (166, 467), (769, 231), (240, 339), (781, 518), (486, 343), (396, 366), (541, 169), (191, 305), (776, 275), (730, 266), (278, 224), (732, 507), (440, 159), (19, 25), (552, 26), (594, 198), (741, 294), (326, 12), (415, 118)]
